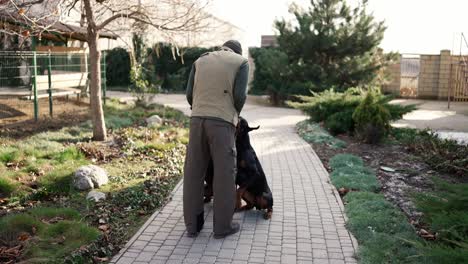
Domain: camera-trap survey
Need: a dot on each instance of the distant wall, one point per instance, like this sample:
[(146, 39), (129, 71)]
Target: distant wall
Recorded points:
[(436, 72), (394, 74)]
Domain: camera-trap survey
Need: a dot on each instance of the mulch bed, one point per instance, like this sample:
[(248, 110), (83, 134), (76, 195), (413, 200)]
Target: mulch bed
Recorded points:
[(410, 175), (17, 116)]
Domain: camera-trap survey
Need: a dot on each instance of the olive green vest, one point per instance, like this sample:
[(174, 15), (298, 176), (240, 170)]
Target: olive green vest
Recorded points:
[(215, 74)]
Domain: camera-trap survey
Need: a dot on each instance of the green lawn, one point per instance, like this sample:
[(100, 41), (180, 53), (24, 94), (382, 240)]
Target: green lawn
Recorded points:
[(51, 221)]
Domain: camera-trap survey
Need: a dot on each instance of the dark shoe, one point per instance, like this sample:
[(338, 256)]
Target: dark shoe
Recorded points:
[(235, 227), (200, 223), (190, 234), (207, 200)]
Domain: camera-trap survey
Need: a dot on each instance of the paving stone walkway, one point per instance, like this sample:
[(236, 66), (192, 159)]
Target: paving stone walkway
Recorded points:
[(308, 223)]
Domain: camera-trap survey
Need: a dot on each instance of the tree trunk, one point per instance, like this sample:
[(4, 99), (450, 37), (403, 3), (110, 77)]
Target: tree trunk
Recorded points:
[(97, 113)]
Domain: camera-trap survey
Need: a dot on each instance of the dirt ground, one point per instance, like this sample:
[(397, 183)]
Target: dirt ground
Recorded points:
[(17, 116)]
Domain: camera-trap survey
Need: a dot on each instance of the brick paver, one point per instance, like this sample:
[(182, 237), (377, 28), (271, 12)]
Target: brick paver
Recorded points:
[(308, 223)]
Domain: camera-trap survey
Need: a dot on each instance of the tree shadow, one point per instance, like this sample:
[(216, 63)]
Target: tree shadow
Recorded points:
[(9, 112)]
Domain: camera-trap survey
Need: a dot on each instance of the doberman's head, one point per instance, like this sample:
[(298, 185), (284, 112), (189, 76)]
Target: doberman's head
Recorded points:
[(243, 128)]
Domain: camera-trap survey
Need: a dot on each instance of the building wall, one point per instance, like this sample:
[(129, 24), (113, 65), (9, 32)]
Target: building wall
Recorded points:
[(394, 72), (269, 41), (429, 76), (435, 76)]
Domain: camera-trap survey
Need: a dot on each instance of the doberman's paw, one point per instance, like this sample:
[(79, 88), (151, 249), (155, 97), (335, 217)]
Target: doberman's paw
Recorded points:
[(268, 214)]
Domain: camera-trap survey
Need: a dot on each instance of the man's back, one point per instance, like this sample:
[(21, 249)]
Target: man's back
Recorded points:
[(214, 83)]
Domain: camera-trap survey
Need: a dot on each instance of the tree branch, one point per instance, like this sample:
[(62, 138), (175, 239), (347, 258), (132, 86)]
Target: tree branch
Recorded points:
[(114, 17), (27, 4)]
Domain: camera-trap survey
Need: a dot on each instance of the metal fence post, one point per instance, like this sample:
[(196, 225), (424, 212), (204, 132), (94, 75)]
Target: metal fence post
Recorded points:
[(36, 103), (49, 73), (104, 77)]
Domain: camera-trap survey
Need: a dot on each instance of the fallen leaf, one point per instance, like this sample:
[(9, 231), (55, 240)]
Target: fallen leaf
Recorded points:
[(98, 259), (103, 228), (24, 236), (62, 240), (343, 191), (426, 235), (141, 212), (387, 169)]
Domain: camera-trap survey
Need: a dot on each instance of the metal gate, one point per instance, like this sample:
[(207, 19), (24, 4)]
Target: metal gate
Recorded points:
[(410, 68), (460, 80), (458, 88)]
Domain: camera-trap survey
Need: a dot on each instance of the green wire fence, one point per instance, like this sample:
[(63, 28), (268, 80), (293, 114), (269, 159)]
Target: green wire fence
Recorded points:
[(31, 80)]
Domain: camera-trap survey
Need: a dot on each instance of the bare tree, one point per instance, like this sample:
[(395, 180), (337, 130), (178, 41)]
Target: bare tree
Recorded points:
[(168, 17), (28, 18)]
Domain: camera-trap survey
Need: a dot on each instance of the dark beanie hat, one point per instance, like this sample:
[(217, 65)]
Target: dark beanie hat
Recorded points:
[(234, 45)]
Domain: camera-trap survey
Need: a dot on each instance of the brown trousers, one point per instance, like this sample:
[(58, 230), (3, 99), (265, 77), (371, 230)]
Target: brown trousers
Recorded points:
[(210, 139)]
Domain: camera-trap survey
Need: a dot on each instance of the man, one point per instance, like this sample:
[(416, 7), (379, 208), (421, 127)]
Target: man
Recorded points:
[(216, 91)]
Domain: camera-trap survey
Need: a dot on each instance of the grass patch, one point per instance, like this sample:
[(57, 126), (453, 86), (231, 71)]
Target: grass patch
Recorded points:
[(345, 161), (39, 147), (357, 178), (119, 115), (349, 173), (50, 234), (68, 154), (122, 171), (11, 226), (446, 214), (58, 240), (7, 186), (32, 167), (3, 168), (53, 212), (116, 122), (389, 249), (169, 113), (9, 154), (382, 230), (377, 215), (313, 133), (64, 135)]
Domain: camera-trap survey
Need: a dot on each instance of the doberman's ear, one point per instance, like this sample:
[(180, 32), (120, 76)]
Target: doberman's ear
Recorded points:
[(253, 128)]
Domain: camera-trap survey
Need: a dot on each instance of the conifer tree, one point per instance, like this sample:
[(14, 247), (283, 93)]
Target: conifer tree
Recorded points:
[(331, 45)]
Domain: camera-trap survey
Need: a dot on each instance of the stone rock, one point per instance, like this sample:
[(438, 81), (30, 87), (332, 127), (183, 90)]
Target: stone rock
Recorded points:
[(127, 101), (89, 177), (82, 183), (96, 196), (154, 120)]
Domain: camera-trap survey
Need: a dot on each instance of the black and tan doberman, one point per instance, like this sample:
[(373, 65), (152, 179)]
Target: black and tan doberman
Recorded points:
[(251, 180)]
